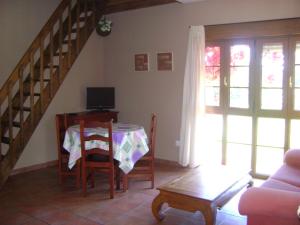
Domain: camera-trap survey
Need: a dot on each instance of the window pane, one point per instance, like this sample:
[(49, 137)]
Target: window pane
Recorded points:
[(294, 134), (297, 53), (268, 160), (297, 76), (213, 138), (271, 99), (240, 55), (214, 126), (239, 156), (212, 96), (235, 125), (212, 56), (272, 55), (239, 98), (271, 132), (239, 76), (212, 76), (297, 99), (272, 76)]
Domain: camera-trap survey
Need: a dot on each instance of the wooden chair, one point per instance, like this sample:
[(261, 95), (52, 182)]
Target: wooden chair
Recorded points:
[(96, 159), (62, 124), (144, 168)]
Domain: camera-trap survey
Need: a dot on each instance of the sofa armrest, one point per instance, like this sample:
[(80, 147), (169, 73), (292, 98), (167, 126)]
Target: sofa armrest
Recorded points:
[(292, 158), (269, 202)]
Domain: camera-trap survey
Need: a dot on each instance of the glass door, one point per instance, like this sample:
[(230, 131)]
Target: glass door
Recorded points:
[(252, 96)]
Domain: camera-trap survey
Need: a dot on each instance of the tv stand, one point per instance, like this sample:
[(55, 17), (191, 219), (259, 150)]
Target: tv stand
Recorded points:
[(100, 115)]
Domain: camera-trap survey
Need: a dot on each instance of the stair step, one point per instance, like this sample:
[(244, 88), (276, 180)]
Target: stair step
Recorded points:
[(35, 94), (63, 53), (82, 19), (45, 80), (54, 66), (37, 80), (73, 41), (28, 109), (16, 124), (5, 140)]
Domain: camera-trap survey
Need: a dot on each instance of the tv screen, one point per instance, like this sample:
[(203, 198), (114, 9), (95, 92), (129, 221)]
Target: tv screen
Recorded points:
[(100, 98)]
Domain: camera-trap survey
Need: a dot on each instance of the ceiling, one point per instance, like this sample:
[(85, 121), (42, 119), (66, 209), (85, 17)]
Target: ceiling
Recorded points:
[(113, 6)]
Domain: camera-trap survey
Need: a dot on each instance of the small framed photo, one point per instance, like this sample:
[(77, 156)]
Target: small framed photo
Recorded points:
[(165, 61), (141, 62)]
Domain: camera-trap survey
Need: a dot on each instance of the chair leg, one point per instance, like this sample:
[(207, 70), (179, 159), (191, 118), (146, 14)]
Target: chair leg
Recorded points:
[(84, 180), (78, 174), (92, 177), (152, 181), (112, 182), (125, 181), (60, 176)]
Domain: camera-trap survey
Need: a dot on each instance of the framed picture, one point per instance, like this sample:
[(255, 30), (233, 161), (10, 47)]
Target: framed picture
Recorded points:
[(141, 62), (165, 61)]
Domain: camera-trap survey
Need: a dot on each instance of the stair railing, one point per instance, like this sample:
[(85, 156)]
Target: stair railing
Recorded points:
[(31, 86)]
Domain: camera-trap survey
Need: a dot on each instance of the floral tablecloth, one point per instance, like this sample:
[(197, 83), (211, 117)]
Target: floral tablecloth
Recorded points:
[(129, 144)]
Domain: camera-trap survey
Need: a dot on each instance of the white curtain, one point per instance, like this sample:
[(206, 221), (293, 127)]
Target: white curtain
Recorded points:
[(193, 99)]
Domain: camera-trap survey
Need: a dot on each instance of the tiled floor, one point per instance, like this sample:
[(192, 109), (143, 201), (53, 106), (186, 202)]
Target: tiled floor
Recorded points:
[(35, 198)]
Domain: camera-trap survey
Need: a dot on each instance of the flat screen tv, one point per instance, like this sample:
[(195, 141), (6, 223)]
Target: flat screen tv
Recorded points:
[(100, 98)]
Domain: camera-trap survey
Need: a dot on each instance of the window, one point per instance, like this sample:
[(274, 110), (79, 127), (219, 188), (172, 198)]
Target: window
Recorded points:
[(252, 95)]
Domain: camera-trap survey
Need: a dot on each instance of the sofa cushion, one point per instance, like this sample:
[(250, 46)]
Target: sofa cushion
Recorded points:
[(276, 184), (292, 158), (288, 174)]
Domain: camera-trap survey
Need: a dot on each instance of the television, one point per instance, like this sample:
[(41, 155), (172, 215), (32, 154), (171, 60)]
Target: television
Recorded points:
[(100, 98)]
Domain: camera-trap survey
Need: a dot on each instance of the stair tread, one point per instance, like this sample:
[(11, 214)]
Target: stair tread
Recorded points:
[(35, 94), (67, 41), (38, 80), (5, 140), (25, 108), (16, 124), (63, 53)]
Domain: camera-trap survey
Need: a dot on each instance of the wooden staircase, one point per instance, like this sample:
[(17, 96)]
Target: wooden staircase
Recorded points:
[(28, 91)]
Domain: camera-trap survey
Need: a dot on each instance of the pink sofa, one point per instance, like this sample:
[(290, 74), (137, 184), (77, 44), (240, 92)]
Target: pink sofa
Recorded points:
[(276, 201)]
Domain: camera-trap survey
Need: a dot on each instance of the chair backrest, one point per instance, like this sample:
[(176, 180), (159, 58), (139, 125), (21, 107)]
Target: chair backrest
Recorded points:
[(107, 139), (152, 137)]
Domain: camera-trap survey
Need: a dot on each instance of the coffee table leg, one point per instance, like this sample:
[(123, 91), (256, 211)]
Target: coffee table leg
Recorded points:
[(156, 207), (210, 215)]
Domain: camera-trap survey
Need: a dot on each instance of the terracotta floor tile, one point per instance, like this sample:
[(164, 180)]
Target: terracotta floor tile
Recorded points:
[(44, 201), (16, 218)]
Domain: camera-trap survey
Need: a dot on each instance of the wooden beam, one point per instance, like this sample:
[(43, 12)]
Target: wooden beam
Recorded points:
[(123, 5)]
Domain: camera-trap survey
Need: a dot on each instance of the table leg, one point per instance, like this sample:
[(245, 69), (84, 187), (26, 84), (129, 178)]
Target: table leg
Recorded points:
[(210, 215), (156, 207)]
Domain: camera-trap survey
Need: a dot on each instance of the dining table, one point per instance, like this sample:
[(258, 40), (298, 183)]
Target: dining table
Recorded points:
[(129, 143)]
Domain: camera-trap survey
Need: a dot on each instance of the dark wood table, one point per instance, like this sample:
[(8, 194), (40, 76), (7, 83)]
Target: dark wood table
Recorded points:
[(203, 189)]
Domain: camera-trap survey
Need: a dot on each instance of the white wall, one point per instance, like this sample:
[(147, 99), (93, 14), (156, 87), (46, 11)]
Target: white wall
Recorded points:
[(20, 22), (165, 28)]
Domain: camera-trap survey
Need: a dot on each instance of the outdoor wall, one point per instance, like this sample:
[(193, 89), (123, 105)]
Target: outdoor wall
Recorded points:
[(20, 22), (165, 29)]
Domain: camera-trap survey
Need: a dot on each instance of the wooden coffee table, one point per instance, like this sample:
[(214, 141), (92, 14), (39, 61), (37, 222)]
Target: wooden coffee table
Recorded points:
[(203, 189)]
